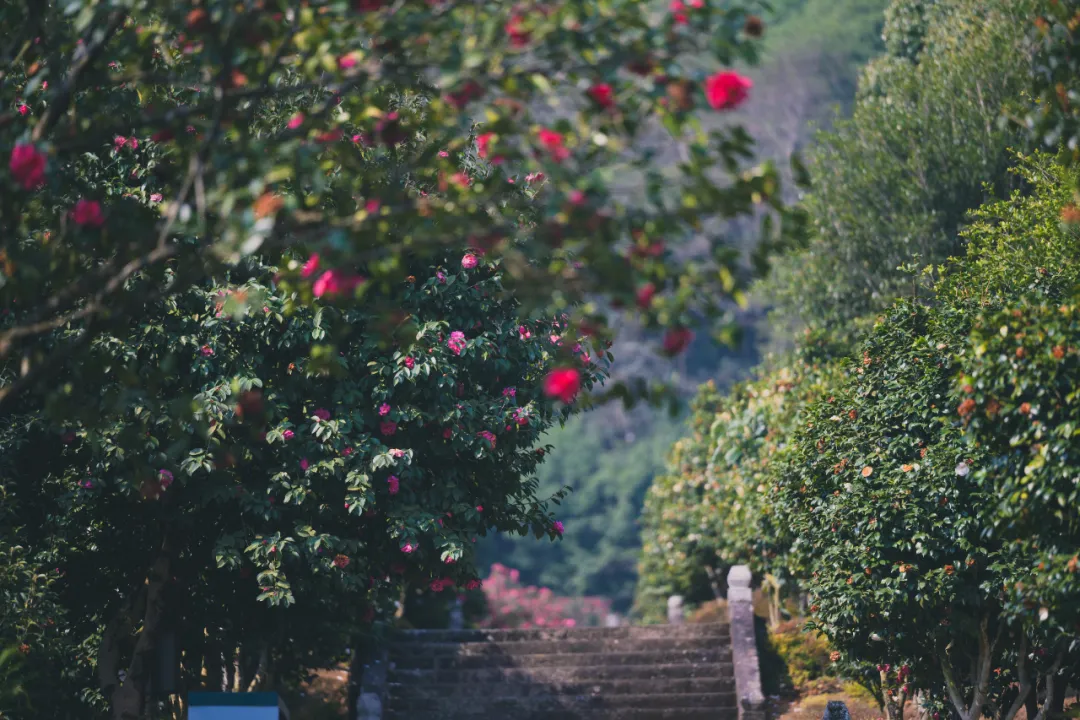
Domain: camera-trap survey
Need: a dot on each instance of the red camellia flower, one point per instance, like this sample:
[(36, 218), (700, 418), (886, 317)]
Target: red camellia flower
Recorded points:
[(296, 121), (553, 142), (562, 383), (482, 144), (603, 95), (27, 166), (88, 213), (468, 261), (519, 36), (335, 282), (341, 561), (727, 90), (645, 295), (676, 340), (394, 483), (388, 428)]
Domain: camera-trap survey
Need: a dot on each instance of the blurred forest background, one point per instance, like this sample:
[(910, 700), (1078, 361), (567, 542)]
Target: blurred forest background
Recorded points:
[(813, 52)]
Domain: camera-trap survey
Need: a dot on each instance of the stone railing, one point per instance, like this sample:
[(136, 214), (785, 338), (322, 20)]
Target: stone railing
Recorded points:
[(744, 653)]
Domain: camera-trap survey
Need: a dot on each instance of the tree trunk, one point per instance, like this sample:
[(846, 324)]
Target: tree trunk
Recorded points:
[(129, 698)]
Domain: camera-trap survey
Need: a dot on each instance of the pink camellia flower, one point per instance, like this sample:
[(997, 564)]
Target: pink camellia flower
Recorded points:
[(570, 622), (88, 484), (676, 340), (87, 213), (335, 282), (441, 277), (409, 362), (479, 508), (558, 527), (555, 144), (576, 197), (24, 109), (468, 261), (456, 343), (444, 154), (206, 350), (322, 414), (27, 166), (347, 61), (563, 383), (438, 585), (155, 197), (448, 433), (449, 561), (523, 332), (296, 121), (347, 452), (603, 95), (310, 266), (388, 428), (165, 478), (483, 143), (727, 90), (304, 464), (133, 143), (119, 141), (509, 392), (473, 584), (487, 435), (384, 409), (534, 177), (408, 548), (288, 434), (394, 483)]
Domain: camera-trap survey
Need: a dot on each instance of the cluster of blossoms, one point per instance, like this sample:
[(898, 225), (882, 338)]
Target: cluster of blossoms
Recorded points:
[(513, 605)]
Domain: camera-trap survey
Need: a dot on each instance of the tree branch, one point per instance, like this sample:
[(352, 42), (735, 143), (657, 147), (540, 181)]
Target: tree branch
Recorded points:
[(91, 51)]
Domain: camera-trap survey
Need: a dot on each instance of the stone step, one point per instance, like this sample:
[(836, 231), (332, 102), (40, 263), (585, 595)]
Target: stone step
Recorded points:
[(534, 634), (552, 647), (469, 662), (723, 670), (607, 688), (619, 714), (505, 707)]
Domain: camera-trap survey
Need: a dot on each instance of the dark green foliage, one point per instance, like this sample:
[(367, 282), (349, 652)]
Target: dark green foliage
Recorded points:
[(893, 183)]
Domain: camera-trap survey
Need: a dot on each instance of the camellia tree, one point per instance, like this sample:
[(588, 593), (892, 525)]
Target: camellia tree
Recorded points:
[(715, 509), (167, 139), (904, 490), (252, 510)]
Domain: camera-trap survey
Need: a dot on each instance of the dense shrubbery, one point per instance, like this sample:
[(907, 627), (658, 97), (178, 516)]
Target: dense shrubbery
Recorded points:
[(512, 604), (923, 496)]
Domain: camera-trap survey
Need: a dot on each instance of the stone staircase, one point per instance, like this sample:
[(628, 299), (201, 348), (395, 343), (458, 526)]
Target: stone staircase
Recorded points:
[(678, 671), (644, 673)]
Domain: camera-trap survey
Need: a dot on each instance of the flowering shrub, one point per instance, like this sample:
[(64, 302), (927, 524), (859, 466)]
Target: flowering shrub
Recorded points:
[(177, 136), (513, 605), (288, 504)]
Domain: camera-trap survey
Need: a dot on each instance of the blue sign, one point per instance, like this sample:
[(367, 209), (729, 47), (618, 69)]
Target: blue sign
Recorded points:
[(235, 706)]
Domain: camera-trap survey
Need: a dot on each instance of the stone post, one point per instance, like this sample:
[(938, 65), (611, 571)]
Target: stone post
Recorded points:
[(675, 614), (369, 702), (744, 653)]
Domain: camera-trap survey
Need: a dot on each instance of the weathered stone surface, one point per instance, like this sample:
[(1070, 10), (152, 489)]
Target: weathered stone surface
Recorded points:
[(538, 647), (622, 632), (683, 672), (723, 670), (625, 714), (533, 688)]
